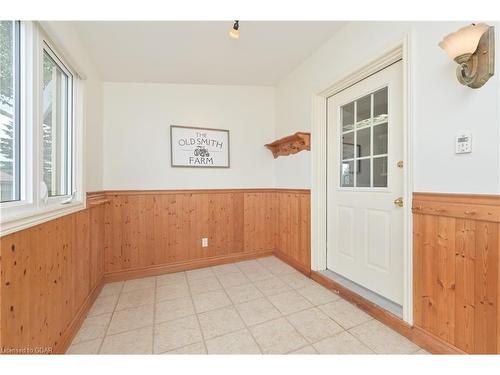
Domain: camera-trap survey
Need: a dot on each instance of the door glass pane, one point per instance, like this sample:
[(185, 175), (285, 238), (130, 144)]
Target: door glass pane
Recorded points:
[(363, 111), (348, 146), (347, 174), (363, 173), (348, 116), (380, 106), (363, 142), (9, 111), (380, 172), (380, 139), (55, 127)]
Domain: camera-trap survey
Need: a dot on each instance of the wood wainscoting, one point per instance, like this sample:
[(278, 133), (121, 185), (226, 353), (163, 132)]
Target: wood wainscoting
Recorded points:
[(51, 273), (456, 279), (153, 232), (50, 276)]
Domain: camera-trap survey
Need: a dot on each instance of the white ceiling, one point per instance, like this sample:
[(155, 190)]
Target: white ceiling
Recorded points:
[(201, 52)]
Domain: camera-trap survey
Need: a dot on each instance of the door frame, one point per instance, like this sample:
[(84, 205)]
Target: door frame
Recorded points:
[(402, 50)]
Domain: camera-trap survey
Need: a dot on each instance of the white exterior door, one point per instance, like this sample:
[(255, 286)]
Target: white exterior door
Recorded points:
[(365, 180)]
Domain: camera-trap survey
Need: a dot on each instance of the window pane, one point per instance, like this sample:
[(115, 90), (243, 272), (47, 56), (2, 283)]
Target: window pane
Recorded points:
[(363, 142), (348, 146), (380, 172), (348, 117), (380, 139), (55, 127), (347, 174), (9, 111), (363, 111), (380, 106), (363, 173)]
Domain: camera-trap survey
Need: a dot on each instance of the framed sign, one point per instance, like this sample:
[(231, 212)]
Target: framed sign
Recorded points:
[(199, 147)]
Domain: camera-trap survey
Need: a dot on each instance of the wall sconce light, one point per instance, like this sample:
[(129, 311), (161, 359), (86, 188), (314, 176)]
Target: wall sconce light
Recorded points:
[(473, 48), (235, 30)]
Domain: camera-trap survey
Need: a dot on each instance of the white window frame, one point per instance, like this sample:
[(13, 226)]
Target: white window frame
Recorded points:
[(32, 209)]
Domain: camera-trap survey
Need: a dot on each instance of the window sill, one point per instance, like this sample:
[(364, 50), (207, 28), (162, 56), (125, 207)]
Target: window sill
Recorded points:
[(14, 223)]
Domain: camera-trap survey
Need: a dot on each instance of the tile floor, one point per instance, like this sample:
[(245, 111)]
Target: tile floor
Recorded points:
[(250, 307)]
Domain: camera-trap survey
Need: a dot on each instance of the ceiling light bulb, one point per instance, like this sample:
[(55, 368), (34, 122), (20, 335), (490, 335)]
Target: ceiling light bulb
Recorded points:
[(235, 32)]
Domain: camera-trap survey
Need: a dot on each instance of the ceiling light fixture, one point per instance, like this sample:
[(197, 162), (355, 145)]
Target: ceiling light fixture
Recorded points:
[(235, 30)]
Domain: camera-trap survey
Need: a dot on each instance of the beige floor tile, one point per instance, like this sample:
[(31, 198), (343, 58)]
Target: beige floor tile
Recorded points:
[(258, 273), (240, 342), (174, 309), (269, 261), (176, 334), (305, 350), (128, 320), (207, 284), (92, 328), (136, 298), (342, 343), (243, 293), (314, 325), (277, 337), (103, 305), (422, 351), (289, 302), (272, 286), (219, 322), (172, 291), (138, 284), (139, 341), (86, 347), (282, 269), (257, 311), (229, 280), (210, 301), (222, 269), (171, 278), (251, 263), (297, 280), (345, 313), (199, 273), (318, 295), (383, 340), (110, 289), (196, 348)]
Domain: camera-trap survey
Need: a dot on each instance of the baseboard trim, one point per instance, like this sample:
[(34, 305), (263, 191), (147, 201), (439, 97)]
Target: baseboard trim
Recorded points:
[(419, 336), (182, 266), (292, 262), (76, 323)]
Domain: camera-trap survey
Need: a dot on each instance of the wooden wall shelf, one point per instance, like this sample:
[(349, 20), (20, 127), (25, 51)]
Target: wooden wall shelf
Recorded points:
[(290, 145)]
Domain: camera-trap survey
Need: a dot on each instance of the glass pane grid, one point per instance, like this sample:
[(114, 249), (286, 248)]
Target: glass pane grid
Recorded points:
[(365, 141)]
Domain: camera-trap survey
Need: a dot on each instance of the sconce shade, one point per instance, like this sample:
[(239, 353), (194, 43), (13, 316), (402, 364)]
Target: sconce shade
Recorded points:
[(464, 41)]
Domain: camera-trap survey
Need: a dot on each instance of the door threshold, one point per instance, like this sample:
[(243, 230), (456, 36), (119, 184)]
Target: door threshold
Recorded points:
[(367, 294)]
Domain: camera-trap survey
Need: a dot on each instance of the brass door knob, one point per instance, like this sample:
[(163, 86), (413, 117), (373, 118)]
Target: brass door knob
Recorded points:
[(399, 201)]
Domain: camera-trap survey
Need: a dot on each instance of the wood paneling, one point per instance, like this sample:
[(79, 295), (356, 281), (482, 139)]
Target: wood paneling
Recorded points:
[(158, 229), (50, 274), (456, 269)]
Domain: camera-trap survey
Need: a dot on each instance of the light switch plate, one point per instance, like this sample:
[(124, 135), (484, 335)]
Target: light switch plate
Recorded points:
[(463, 143), (204, 242)]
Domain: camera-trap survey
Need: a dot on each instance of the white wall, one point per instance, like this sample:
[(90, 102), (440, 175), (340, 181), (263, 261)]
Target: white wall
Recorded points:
[(442, 107), (64, 35), (137, 119)]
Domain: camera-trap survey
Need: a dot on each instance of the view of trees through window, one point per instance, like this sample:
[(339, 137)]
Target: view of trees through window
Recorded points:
[(8, 121)]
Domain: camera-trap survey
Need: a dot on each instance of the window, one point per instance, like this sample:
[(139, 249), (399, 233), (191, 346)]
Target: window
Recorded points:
[(364, 141), (9, 111), (56, 125), (41, 129)]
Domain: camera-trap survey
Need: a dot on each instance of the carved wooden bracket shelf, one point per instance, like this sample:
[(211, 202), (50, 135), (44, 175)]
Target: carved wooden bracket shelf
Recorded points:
[(290, 145)]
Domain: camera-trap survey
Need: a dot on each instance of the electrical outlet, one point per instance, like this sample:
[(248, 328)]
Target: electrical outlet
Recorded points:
[(204, 242)]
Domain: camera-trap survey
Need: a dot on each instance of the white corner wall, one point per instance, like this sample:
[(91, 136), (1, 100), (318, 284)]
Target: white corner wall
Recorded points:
[(442, 107), (64, 35), (137, 119)]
